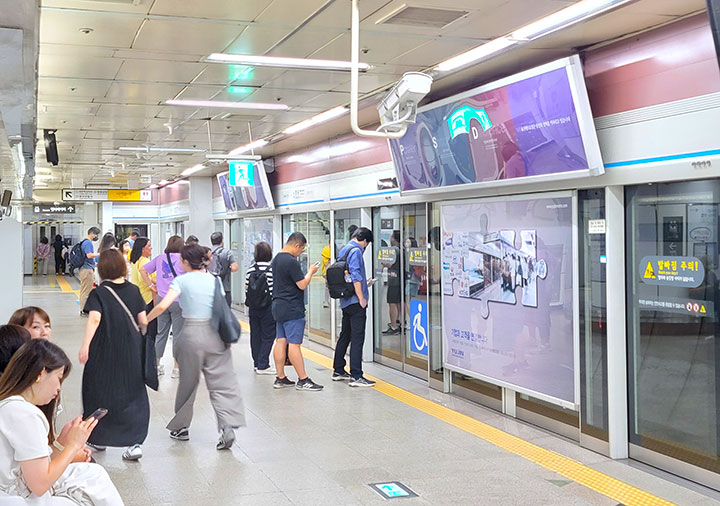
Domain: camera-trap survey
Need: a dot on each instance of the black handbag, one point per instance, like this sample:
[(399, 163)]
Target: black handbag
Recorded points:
[(223, 319), (149, 357)]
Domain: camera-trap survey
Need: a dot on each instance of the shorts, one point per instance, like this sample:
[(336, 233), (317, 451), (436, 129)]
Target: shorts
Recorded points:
[(292, 330), (393, 294)]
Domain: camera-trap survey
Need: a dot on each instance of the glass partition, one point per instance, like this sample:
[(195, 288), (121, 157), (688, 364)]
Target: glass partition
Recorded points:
[(346, 222), (672, 303)]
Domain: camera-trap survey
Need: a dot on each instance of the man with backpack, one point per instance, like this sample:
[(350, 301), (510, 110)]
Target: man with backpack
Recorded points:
[(223, 264), (352, 290), (258, 299), (83, 257)]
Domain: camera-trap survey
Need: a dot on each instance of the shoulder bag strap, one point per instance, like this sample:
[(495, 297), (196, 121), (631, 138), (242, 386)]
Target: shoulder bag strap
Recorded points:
[(172, 269), (117, 297), (347, 254)]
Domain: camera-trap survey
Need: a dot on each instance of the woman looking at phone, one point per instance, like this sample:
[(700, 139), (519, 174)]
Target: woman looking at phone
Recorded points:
[(200, 349), (112, 352), (29, 389)]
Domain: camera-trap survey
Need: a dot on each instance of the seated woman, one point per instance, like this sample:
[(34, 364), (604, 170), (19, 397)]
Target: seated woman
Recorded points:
[(12, 337), (35, 320), (28, 468)]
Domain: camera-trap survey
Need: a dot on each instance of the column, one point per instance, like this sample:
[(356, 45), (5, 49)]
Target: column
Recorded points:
[(616, 323), (11, 268), (201, 223), (106, 217)]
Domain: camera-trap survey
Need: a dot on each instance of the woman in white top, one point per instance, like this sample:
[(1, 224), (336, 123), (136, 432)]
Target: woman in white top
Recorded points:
[(29, 467), (200, 349)]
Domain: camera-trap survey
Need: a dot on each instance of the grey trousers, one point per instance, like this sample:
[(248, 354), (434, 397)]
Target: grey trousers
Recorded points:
[(200, 349), (172, 318)]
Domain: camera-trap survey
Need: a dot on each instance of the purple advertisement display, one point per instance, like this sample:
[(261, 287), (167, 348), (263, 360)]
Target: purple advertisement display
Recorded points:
[(507, 274), (527, 128), (243, 198)]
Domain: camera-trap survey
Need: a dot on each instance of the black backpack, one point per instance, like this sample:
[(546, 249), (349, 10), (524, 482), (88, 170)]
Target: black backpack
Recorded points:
[(338, 285), (258, 294), (77, 256)]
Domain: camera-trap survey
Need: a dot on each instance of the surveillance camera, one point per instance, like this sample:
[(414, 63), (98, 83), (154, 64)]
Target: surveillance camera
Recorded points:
[(399, 107)]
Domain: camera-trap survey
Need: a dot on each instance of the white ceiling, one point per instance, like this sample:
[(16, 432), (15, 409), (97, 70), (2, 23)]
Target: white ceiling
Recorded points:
[(106, 89)]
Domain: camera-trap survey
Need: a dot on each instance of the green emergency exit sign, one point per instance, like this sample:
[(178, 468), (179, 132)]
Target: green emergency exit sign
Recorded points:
[(241, 173)]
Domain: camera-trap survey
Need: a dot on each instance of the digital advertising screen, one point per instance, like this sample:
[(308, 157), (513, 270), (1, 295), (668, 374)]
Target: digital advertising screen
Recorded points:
[(247, 198), (508, 285), (533, 125)]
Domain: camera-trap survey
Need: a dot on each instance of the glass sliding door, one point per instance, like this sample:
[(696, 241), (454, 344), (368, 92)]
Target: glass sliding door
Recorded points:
[(672, 321), (235, 244), (346, 222)]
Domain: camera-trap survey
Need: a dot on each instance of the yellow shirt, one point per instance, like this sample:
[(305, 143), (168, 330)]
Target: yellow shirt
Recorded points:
[(137, 280), (325, 255)]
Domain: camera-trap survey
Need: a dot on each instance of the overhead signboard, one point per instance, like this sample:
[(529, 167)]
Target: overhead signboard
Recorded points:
[(249, 197), (99, 195), (50, 208), (240, 173), (508, 304), (533, 126)]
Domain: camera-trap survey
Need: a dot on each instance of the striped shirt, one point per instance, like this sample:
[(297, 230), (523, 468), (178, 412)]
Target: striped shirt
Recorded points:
[(263, 266)]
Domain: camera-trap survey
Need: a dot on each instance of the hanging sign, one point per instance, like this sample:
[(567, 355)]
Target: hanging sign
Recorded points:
[(100, 195), (241, 173)]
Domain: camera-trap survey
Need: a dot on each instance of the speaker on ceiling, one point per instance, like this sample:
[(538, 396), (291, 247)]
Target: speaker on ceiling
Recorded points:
[(51, 152), (6, 198)]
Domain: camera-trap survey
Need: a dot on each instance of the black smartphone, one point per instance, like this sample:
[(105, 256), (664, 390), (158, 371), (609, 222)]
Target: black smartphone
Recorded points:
[(97, 414)]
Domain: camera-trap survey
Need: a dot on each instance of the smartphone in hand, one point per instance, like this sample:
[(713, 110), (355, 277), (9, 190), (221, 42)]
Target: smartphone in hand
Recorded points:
[(97, 414), (371, 281), (317, 264)]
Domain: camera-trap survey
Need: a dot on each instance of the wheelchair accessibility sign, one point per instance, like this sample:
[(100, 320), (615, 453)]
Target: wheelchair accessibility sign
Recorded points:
[(418, 330)]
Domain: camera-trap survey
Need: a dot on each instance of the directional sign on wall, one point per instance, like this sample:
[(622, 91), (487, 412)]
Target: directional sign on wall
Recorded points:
[(50, 208), (93, 195)]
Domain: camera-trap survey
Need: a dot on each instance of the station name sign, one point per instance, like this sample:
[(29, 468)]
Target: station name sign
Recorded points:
[(99, 195)]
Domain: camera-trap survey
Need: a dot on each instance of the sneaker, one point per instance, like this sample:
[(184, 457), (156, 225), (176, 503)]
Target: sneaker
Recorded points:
[(97, 448), (180, 434), (176, 373), (309, 385), (283, 382), (161, 369), (227, 438), (389, 331), (341, 377), (270, 371), (133, 452), (362, 381), (396, 331)]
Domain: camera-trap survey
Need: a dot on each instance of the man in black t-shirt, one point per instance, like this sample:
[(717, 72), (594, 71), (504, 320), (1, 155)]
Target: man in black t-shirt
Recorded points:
[(288, 308)]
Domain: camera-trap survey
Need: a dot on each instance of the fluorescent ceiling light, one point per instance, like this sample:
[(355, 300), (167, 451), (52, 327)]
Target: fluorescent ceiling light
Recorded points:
[(476, 54), (276, 61), (164, 181), (563, 18), (323, 116), (248, 147), (146, 149), (228, 105), (192, 170)]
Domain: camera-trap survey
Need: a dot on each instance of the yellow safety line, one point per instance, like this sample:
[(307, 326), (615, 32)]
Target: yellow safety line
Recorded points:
[(571, 469), (52, 283), (42, 291), (65, 286)]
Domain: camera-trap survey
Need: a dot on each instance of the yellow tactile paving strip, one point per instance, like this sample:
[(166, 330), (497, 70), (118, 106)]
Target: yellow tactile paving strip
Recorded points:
[(65, 286), (567, 467)]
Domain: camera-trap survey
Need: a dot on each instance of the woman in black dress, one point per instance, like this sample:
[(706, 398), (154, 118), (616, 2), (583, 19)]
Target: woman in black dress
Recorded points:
[(112, 352), (58, 246)]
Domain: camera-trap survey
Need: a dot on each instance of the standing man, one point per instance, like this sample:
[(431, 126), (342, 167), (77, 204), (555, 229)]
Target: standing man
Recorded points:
[(133, 237), (87, 271), (288, 308), (223, 264), (354, 313)]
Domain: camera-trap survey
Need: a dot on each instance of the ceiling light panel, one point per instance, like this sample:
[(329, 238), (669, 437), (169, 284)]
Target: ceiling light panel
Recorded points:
[(283, 62), (228, 105), (315, 120)]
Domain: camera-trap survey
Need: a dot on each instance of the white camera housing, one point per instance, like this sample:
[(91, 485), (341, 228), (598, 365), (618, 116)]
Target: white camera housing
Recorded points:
[(399, 107)]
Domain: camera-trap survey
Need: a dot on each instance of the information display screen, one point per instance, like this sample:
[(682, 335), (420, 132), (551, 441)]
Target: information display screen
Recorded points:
[(247, 198), (508, 284), (532, 125)]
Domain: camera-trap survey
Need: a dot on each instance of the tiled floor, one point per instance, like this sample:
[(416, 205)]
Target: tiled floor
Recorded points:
[(313, 449)]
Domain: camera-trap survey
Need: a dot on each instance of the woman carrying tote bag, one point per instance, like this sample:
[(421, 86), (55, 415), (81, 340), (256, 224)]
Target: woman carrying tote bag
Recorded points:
[(200, 348)]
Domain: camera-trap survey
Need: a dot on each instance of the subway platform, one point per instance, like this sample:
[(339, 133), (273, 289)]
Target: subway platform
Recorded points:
[(327, 448)]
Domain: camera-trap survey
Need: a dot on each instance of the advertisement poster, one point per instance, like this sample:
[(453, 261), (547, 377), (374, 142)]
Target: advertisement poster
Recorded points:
[(527, 128), (246, 198), (507, 274)]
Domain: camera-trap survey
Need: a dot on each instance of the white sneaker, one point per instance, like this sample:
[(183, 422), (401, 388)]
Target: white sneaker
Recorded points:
[(175, 373), (133, 452), (269, 371), (161, 369)]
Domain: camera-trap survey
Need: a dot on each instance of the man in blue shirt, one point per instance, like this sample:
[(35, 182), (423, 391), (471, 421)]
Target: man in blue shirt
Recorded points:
[(87, 271), (354, 313)]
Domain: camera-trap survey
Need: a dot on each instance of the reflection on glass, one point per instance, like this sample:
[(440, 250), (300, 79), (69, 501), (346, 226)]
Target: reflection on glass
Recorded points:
[(387, 299), (672, 325), (235, 243)]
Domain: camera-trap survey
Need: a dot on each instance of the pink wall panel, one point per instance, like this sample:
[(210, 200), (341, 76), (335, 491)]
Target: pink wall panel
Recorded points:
[(671, 63)]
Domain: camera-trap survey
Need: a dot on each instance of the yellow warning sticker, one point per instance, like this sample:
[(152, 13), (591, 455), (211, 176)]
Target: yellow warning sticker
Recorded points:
[(649, 273), (702, 309)]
